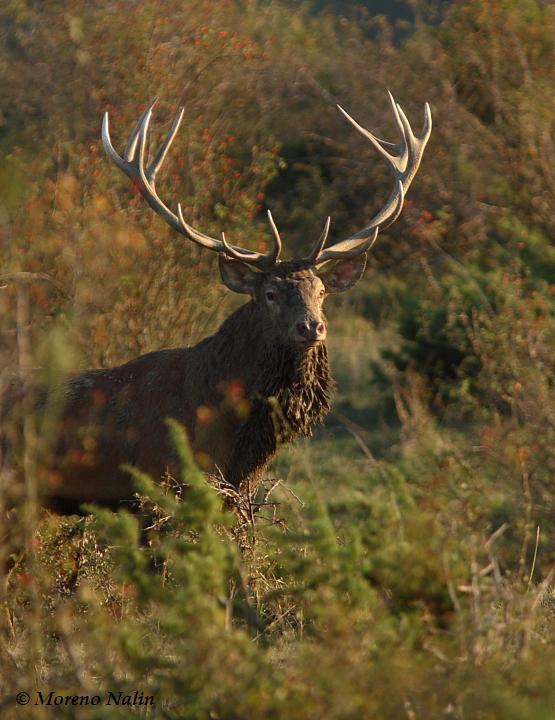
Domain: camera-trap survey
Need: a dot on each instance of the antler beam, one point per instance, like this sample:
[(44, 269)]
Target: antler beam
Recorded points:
[(402, 158), (404, 163), (132, 164)]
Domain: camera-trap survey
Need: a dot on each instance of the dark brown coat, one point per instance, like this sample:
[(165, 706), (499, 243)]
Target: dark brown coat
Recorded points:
[(262, 379)]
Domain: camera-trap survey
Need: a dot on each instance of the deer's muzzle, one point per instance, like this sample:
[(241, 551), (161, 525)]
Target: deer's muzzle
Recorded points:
[(309, 332)]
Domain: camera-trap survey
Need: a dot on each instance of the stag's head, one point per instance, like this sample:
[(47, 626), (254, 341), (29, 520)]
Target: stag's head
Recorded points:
[(288, 295)]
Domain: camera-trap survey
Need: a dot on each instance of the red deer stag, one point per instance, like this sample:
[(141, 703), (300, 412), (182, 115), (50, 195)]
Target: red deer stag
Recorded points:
[(261, 379)]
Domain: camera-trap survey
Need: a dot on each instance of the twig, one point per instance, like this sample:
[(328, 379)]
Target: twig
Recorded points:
[(26, 277), (534, 560), (297, 498), (78, 669), (353, 429), (274, 622)]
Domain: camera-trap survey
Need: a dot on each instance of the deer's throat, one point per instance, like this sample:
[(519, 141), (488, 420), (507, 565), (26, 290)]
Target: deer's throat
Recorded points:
[(299, 389), (293, 381)]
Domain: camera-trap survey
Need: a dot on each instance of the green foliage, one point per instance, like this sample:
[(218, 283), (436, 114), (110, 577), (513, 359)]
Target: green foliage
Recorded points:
[(369, 602)]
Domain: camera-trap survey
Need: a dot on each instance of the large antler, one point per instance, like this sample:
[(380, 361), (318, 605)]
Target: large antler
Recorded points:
[(132, 164), (404, 163)]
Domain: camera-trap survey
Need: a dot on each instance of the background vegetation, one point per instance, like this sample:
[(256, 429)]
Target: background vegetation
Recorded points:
[(402, 563)]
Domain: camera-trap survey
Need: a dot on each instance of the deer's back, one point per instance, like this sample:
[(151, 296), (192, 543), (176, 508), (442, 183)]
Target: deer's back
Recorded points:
[(93, 422)]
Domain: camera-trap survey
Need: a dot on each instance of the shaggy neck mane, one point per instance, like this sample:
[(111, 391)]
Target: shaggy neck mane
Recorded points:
[(294, 382)]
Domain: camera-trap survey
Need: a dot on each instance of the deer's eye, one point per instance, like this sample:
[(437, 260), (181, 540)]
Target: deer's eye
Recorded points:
[(270, 295)]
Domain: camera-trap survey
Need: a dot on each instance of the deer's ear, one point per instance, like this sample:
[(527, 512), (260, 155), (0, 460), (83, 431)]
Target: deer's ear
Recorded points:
[(344, 274), (237, 276)]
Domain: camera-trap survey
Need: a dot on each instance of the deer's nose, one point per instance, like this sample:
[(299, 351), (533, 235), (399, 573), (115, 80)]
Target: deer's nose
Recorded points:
[(311, 330)]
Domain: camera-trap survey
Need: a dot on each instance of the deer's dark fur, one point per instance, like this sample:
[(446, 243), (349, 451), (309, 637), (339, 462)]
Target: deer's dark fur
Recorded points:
[(239, 393)]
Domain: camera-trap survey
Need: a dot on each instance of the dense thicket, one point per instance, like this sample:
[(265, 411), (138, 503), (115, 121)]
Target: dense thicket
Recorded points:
[(402, 566)]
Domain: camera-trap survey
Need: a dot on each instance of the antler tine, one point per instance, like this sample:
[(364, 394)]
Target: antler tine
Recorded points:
[(274, 255), (347, 249), (404, 164), (362, 241), (139, 160), (250, 257), (108, 147), (378, 144), (140, 129), (156, 164), (132, 164), (317, 249), (270, 258)]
